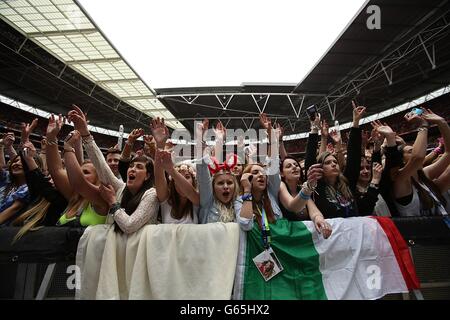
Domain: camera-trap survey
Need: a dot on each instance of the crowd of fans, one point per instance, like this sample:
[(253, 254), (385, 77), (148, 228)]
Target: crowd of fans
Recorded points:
[(365, 171)]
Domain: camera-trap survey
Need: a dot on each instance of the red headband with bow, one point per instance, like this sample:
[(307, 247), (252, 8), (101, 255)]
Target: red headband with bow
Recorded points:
[(228, 165)]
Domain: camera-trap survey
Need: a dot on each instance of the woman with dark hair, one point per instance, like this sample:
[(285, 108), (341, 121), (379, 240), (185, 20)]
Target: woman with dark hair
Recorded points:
[(48, 205), (335, 190), (15, 195), (177, 193), (132, 204), (260, 188), (294, 195), (259, 198), (414, 191)]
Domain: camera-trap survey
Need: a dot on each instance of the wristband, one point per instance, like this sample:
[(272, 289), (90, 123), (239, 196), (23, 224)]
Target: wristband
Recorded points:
[(114, 208), (303, 195)]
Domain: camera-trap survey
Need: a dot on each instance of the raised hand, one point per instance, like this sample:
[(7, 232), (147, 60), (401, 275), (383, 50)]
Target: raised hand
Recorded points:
[(169, 146), (165, 158), (246, 182), (382, 129), (73, 138), (415, 119), (251, 150), (377, 170), (330, 148), (324, 128), (375, 136), (201, 128), (315, 173), (335, 136), (43, 145), (54, 126), (315, 124), (27, 129), (134, 135), (279, 131), (431, 117), (265, 121), (79, 119), (220, 131), (149, 140), (358, 112), (29, 151), (8, 139), (159, 131)]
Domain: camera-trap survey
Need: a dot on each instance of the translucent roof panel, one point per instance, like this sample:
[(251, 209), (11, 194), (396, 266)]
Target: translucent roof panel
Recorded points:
[(45, 15), (62, 28), (126, 89), (105, 71), (145, 104), (73, 47)]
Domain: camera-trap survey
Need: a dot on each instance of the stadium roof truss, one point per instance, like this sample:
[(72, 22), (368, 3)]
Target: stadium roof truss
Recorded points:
[(409, 57), (63, 29)]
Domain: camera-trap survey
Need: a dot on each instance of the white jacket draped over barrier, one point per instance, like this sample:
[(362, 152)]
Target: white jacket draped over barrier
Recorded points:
[(163, 261)]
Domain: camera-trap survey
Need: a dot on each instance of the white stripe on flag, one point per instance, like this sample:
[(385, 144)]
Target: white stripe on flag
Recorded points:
[(357, 261)]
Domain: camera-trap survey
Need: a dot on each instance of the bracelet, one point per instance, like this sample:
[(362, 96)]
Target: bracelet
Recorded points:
[(247, 197), (308, 187), (373, 185), (114, 208), (69, 150), (52, 142), (87, 139), (422, 129), (304, 196)]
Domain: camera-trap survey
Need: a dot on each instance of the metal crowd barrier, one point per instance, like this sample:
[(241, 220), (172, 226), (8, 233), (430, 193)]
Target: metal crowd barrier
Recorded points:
[(39, 265)]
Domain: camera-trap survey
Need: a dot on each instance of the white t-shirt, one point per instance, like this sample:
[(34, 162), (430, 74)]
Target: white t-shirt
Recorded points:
[(166, 208)]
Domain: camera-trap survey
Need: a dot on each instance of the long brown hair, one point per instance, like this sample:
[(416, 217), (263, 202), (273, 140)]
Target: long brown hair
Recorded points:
[(265, 198), (427, 201), (342, 185), (301, 178), (174, 200)]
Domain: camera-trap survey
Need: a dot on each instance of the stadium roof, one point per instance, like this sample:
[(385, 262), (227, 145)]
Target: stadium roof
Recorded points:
[(53, 55), (65, 31), (381, 69)]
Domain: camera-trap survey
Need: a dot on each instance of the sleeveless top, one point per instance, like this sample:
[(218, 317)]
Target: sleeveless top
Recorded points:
[(414, 208), (86, 217), (293, 216)]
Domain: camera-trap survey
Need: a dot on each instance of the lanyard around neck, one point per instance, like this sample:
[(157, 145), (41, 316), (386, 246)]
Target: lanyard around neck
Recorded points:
[(265, 229)]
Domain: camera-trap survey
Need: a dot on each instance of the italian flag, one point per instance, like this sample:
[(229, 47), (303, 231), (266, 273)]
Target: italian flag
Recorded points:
[(364, 258)]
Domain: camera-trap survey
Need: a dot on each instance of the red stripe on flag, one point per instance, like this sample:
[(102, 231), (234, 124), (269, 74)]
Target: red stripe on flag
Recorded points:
[(401, 252)]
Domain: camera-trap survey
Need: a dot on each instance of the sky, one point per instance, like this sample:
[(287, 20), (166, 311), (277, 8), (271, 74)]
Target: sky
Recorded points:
[(198, 43)]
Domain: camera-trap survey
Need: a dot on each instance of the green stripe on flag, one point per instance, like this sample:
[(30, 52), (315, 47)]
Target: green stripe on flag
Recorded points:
[(301, 278)]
